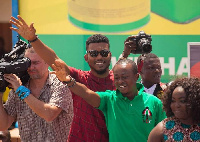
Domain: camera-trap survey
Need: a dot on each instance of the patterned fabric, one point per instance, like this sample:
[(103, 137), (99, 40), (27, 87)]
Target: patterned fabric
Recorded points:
[(89, 123), (33, 128), (176, 131), (159, 90)]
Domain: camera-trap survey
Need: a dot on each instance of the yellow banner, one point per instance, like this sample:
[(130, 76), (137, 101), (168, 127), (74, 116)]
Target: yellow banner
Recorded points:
[(51, 17)]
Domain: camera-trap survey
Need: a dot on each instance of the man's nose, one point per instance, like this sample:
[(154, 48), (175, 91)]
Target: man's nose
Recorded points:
[(177, 104), (99, 56)]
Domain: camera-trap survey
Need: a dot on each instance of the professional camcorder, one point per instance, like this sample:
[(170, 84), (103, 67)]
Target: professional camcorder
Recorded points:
[(143, 43), (15, 62)]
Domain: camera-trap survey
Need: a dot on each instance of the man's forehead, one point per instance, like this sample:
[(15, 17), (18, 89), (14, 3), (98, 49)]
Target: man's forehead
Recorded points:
[(152, 60), (98, 45), (124, 67)]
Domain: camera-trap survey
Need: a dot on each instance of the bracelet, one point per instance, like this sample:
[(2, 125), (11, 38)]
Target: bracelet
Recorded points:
[(33, 40), (67, 82), (73, 83), (22, 92)]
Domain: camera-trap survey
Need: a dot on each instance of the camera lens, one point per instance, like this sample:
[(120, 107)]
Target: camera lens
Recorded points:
[(145, 45), (147, 48)]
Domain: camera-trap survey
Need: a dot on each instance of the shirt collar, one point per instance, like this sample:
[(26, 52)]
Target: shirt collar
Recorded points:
[(101, 80), (151, 89), (140, 89)]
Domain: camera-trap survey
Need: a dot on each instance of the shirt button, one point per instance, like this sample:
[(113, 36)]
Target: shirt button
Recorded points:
[(130, 104)]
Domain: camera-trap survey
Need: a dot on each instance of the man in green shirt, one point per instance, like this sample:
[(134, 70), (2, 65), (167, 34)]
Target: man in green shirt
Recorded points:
[(130, 113)]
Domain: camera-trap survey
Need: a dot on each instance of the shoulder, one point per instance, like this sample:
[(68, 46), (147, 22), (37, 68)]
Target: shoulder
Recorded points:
[(156, 135), (150, 97), (108, 93), (54, 83)]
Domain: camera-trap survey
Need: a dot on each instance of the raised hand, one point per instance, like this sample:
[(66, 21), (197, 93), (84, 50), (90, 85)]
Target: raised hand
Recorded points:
[(26, 31), (60, 70), (129, 46)]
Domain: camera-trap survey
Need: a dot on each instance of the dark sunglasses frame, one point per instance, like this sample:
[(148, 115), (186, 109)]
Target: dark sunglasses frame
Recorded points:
[(95, 53)]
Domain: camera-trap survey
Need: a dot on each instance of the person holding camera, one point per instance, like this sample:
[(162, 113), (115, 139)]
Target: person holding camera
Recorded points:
[(130, 112), (88, 123), (43, 106), (149, 66)]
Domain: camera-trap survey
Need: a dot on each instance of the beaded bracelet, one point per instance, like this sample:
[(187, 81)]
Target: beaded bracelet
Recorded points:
[(22, 92), (73, 83), (67, 82), (33, 40)]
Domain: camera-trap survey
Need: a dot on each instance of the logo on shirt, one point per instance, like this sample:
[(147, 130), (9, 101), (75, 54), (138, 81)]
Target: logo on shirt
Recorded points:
[(146, 115)]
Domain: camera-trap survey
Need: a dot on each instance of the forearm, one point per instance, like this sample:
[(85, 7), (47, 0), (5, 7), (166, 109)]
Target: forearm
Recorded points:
[(45, 111), (46, 53), (88, 95), (5, 119)]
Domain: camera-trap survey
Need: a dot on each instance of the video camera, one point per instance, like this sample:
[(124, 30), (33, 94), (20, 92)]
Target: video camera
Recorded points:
[(15, 62), (143, 43)]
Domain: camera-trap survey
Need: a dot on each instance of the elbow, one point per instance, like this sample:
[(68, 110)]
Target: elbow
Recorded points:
[(50, 118)]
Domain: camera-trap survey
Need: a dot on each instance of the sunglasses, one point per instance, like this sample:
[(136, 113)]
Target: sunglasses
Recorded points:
[(94, 53)]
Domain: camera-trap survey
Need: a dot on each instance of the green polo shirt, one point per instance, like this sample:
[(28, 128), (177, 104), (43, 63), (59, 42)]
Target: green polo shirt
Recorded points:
[(130, 121)]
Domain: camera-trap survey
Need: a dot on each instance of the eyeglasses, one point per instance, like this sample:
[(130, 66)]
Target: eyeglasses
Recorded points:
[(94, 53)]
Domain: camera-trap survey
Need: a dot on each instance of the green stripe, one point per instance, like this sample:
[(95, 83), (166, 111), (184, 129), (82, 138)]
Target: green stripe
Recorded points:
[(110, 28)]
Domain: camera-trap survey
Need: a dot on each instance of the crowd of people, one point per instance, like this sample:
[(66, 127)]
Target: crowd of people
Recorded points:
[(69, 104)]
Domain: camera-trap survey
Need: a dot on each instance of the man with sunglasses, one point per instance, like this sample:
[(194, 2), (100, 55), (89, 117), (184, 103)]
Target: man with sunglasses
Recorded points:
[(88, 123)]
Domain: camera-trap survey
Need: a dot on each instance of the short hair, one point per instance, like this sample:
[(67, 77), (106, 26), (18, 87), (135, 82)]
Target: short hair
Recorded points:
[(191, 87), (146, 57), (30, 49), (128, 61), (97, 38)]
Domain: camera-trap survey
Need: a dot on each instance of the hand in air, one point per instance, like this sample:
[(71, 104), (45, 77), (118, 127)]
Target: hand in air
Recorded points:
[(60, 70), (26, 31), (129, 46)]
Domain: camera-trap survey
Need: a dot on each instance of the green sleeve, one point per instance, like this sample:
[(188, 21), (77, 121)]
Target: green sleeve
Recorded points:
[(104, 96), (160, 113)]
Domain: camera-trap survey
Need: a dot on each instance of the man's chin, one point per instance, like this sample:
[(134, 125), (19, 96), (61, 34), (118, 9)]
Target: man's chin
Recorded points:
[(100, 72)]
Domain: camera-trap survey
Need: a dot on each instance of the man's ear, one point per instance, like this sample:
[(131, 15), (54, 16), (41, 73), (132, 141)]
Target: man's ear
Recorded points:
[(86, 57)]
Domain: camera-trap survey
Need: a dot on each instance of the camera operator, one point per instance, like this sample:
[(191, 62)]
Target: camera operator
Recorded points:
[(42, 106)]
